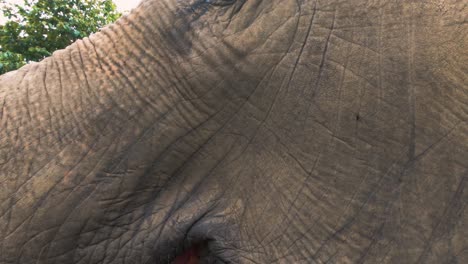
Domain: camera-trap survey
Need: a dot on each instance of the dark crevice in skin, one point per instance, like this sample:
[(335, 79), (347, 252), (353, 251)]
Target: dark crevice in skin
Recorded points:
[(192, 254), (198, 252), (194, 246)]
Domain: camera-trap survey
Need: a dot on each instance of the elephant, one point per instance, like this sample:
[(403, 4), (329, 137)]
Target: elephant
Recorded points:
[(243, 131)]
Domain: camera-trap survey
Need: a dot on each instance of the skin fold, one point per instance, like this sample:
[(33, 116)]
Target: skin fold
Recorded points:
[(249, 131)]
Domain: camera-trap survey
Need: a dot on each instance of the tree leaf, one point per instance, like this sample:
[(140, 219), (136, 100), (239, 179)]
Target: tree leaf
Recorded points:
[(39, 27)]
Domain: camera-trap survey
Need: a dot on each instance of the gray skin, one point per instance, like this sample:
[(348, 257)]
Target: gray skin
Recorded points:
[(279, 131)]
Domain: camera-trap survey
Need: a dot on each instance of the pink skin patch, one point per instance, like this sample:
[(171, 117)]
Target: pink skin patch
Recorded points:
[(190, 256)]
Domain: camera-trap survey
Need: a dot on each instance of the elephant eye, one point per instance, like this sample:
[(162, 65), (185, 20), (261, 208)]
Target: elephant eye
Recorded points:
[(220, 2)]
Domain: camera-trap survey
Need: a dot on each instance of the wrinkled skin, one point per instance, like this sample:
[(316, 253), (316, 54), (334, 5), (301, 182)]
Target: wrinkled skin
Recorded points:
[(267, 131)]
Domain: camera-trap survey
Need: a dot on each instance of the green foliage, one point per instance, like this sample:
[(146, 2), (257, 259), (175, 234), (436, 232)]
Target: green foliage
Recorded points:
[(39, 27)]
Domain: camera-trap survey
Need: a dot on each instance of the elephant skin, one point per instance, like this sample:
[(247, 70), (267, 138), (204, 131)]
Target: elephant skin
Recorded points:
[(243, 131)]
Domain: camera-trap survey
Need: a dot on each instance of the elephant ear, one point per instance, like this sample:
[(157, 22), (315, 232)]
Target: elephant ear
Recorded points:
[(221, 2)]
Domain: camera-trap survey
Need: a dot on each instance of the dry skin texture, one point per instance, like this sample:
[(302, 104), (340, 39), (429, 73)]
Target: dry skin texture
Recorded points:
[(280, 131)]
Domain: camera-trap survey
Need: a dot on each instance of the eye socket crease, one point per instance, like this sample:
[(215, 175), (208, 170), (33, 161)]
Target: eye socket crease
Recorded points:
[(197, 5), (220, 2)]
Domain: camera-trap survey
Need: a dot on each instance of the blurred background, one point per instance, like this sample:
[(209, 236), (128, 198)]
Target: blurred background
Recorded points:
[(122, 6), (31, 30)]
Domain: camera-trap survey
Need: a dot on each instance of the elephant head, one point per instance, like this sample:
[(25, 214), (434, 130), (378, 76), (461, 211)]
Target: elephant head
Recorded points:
[(243, 131)]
